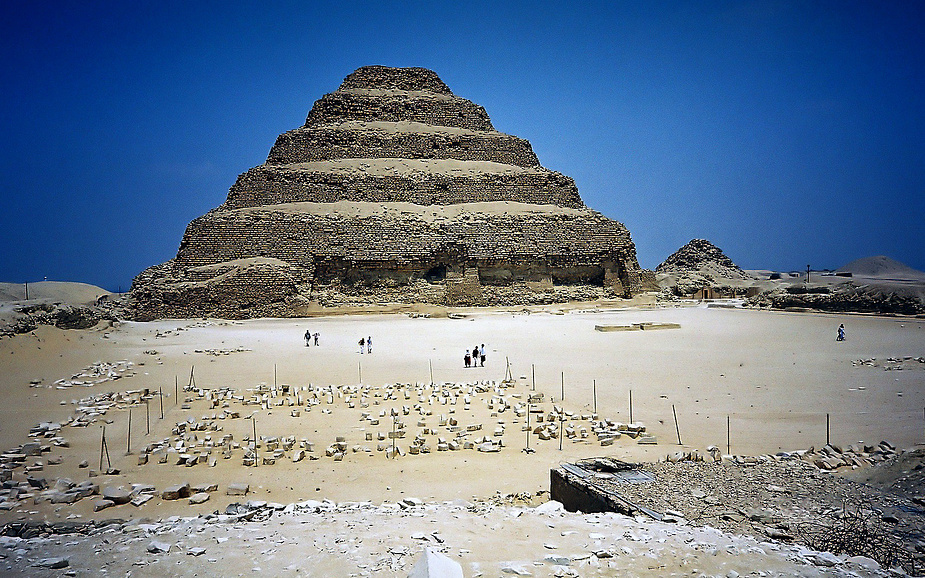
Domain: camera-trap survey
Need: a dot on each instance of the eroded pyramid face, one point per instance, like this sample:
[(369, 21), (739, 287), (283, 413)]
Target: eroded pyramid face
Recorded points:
[(393, 189)]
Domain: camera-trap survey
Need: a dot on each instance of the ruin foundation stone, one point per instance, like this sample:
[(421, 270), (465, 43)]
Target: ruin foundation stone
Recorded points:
[(394, 190)]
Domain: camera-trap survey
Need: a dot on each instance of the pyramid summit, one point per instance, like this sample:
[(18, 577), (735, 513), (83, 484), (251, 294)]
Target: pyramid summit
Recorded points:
[(394, 190)]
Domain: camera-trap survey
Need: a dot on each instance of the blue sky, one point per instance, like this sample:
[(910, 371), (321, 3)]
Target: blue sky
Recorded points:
[(787, 133)]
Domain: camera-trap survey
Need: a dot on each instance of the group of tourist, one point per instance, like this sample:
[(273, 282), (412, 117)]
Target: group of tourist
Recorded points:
[(475, 357), (368, 343), (309, 336)]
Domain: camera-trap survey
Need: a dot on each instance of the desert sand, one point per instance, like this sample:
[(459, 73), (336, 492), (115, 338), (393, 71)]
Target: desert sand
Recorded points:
[(774, 374)]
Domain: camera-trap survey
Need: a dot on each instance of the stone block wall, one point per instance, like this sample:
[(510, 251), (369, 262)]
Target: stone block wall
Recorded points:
[(272, 185), (262, 290), (337, 142)]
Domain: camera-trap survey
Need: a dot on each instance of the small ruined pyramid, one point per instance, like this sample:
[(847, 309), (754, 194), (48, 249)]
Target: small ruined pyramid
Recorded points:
[(394, 190), (702, 256)]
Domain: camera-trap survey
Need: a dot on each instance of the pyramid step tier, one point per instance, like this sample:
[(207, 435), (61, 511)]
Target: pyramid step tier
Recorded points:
[(499, 238), (387, 77), (422, 182), (408, 140), (398, 106)]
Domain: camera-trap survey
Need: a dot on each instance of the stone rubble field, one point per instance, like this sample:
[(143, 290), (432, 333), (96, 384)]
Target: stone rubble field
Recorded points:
[(322, 538)]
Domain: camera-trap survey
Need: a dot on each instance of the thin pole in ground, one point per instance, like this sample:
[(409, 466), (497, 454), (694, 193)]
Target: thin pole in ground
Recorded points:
[(675, 412), (160, 395), (103, 448), (147, 419), (533, 370), (528, 427), (360, 371), (728, 440), (176, 389), (561, 430), (431, 362), (128, 434), (631, 406), (595, 395), (256, 460), (192, 378), (563, 386), (274, 376), (826, 429)]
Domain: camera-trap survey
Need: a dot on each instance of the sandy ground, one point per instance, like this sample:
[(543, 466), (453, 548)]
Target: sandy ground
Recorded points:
[(775, 375)]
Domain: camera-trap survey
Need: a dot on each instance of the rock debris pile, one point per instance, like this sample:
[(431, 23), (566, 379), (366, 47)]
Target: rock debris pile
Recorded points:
[(364, 539)]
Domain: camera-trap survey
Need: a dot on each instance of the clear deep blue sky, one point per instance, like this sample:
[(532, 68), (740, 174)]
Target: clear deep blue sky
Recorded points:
[(787, 133)]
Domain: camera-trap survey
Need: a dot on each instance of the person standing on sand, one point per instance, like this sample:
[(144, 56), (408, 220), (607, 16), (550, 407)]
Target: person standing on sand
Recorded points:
[(841, 333), (475, 356), (481, 354), (308, 336), (316, 338), (369, 344), (467, 359), (362, 343)]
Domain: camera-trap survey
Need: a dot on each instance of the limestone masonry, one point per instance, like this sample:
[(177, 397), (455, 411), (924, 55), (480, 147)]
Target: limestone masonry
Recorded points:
[(394, 191)]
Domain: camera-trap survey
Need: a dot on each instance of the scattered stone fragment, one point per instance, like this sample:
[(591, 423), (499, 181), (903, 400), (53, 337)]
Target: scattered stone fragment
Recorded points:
[(156, 547), (199, 498), (53, 563)]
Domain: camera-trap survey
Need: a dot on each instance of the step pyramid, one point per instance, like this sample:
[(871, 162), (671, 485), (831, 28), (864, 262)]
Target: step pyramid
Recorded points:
[(395, 190)]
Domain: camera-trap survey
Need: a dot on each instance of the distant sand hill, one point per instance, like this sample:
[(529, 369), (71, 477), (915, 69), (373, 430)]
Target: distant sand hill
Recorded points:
[(882, 266), (60, 291)]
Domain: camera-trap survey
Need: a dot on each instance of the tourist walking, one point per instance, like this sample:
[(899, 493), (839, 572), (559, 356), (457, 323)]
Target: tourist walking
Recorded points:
[(362, 343), (308, 337), (841, 333), (316, 338), (369, 344), (481, 354)]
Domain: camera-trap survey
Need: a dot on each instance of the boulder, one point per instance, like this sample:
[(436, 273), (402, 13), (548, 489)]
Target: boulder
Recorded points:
[(237, 489), (117, 496), (176, 492)]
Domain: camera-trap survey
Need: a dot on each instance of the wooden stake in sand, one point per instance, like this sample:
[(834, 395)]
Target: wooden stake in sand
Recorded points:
[(274, 376), (160, 395), (527, 449), (631, 406), (176, 389), (508, 376), (104, 447), (431, 363), (728, 444), (533, 371), (677, 429), (27, 298), (254, 421), (360, 371), (563, 386), (594, 390), (826, 415), (561, 431), (394, 420), (147, 419), (192, 378), (128, 434)]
